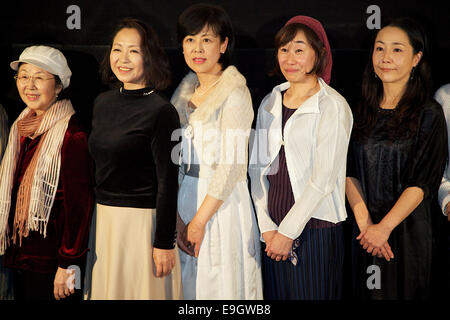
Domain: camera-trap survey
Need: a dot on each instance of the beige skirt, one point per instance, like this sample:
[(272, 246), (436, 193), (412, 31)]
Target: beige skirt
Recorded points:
[(120, 265)]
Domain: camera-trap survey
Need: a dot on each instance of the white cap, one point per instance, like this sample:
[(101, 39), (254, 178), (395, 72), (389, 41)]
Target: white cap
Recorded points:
[(47, 58)]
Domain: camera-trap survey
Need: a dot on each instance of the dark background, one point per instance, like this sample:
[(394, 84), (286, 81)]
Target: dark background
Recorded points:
[(25, 23)]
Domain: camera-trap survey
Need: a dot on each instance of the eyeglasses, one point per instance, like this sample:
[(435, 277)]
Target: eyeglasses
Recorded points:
[(37, 80)]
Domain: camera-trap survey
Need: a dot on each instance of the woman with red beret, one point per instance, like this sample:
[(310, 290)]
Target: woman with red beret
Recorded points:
[(303, 129)]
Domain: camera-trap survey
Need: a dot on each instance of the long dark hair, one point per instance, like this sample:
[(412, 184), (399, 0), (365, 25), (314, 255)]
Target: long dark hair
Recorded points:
[(156, 62), (192, 20), (404, 121)]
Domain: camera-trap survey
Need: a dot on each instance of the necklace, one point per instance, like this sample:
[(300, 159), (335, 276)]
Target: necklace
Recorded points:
[(143, 93), (205, 91)]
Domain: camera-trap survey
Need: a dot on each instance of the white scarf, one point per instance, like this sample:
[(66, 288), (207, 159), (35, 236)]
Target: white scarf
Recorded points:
[(46, 176)]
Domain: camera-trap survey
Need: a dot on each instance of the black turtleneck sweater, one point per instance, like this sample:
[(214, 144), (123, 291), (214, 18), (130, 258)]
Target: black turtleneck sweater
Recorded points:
[(131, 145)]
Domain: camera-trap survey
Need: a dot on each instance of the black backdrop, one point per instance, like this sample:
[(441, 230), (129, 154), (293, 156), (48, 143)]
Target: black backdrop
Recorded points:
[(25, 23)]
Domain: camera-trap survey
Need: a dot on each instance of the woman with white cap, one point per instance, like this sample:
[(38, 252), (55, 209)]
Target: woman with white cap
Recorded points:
[(46, 194), (303, 129)]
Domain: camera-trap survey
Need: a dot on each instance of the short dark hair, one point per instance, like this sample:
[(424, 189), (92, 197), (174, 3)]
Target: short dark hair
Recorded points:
[(156, 62), (193, 19), (288, 33)]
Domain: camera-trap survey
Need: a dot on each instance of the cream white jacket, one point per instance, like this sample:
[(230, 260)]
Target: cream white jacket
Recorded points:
[(316, 139), (443, 97), (220, 127)]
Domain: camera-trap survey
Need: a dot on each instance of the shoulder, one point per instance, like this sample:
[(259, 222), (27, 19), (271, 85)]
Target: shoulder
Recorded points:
[(105, 99), (164, 109), (185, 89), (160, 103), (240, 93), (75, 128), (431, 116), (432, 109), (234, 84), (332, 101), (106, 95), (442, 95), (273, 97), (239, 101), (232, 76), (75, 138)]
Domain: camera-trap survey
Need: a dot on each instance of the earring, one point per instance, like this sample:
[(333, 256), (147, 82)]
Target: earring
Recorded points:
[(413, 70)]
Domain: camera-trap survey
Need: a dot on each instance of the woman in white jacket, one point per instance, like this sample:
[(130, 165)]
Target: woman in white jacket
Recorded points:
[(217, 230), (443, 97), (297, 169)]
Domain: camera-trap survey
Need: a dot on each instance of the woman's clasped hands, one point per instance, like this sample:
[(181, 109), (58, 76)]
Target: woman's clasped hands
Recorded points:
[(278, 246), (374, 239)]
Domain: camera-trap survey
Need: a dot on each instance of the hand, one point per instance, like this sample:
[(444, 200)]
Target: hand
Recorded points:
[(385, 251), (164, 261), (375, 235), (63, 285), (279, 247), (447, 207), (195, 234), (182, 237), (268, 236)]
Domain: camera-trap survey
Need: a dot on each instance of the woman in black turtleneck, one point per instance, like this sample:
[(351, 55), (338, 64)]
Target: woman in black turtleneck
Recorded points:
[(132, 240)]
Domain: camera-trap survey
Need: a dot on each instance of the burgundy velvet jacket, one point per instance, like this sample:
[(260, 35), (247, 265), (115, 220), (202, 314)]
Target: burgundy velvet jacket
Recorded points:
[(69, 221)]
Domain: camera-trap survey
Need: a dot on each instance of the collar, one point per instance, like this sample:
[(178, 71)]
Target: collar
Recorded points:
[(136, 92), (311, 105), (230, 79)]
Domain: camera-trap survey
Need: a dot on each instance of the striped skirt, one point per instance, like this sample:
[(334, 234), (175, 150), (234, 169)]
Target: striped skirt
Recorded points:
[(318, 274)]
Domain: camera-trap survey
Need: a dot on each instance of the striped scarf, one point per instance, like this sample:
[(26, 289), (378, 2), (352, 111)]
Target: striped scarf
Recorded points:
[(37, 190)]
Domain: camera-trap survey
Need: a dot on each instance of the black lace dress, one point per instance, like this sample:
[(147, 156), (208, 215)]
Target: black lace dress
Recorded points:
[(385, 168)]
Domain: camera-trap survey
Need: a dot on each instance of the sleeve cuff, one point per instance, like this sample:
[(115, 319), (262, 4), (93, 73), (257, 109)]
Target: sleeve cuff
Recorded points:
[(444, 204), (297, 218), (444, 194), (167, 245), (65, 262)]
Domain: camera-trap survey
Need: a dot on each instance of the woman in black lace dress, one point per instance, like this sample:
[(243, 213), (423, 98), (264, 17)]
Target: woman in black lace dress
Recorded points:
[(396, 159)]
